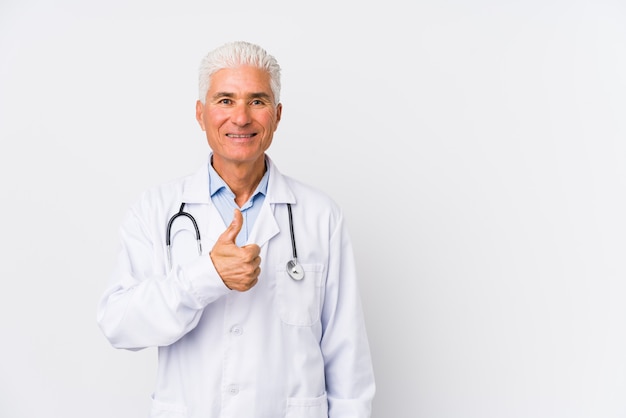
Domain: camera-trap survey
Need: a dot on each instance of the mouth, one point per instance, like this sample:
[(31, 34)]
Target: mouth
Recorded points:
[(240, 136)]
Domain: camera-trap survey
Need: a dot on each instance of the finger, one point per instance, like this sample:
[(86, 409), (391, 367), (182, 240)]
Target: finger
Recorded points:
[(243, 287), (253, 281), (230, 234), (253, 250)]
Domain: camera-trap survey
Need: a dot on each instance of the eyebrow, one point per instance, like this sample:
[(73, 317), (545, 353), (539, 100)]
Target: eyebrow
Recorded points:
[(259, 95)]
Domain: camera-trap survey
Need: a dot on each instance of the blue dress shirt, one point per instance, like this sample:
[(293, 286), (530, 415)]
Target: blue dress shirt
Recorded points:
[(224, 200)]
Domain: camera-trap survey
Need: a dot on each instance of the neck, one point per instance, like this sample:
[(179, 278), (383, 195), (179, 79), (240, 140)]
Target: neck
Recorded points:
[(242, 178)]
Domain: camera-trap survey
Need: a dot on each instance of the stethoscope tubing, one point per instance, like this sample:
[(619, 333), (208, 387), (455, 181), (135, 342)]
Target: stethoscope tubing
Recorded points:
[(293, 268), (168, 233), (293, 236)]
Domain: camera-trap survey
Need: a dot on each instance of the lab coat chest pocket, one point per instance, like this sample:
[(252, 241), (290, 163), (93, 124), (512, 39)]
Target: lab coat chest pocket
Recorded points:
[(299, 301), (307, 407)]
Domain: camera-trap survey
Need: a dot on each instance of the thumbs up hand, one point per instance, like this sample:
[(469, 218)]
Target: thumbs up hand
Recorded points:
[(237, 266)]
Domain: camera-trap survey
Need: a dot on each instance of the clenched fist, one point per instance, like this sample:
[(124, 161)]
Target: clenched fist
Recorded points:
[(237, 266)]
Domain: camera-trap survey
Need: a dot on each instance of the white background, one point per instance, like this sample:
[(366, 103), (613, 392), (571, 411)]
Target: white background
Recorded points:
[(477, 147)]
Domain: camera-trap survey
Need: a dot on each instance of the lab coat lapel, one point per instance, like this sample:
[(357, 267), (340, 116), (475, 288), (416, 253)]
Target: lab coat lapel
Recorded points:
[(196, 190), (215, 225), (196, 187), (265, 226), (278, 192)]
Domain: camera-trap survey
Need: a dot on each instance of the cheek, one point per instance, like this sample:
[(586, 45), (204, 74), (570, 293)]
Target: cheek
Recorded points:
[(270, 121), (213, 120)]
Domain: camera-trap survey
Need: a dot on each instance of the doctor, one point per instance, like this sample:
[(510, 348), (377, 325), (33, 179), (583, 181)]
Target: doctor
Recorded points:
[(237, 335)]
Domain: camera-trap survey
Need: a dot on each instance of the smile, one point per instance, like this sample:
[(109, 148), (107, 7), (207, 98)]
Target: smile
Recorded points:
[(240, 136)]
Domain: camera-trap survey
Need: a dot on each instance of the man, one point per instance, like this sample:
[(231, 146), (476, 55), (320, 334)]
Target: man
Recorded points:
[(264, 320)]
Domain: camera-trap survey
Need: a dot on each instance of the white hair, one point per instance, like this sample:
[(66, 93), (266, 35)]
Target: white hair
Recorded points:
[(236, 54)]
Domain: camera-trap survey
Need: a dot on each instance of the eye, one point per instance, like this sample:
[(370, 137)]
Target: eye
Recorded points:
[(257, 102), (225, 101)]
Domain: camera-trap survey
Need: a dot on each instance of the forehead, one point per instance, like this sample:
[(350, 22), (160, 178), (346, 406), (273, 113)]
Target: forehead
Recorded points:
[(240, 80)]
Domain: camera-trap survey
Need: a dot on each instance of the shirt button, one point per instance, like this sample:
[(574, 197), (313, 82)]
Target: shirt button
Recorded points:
[(236, 330), (232, 390)]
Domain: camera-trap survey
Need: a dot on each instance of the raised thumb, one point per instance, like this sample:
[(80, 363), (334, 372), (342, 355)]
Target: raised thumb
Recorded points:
[(230, 234)]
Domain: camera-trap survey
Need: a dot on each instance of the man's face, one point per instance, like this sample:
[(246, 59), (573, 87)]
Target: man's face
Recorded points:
[(239, 115)]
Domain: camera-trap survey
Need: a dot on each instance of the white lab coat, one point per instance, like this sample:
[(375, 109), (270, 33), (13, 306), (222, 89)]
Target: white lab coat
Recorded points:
[(285, 348)]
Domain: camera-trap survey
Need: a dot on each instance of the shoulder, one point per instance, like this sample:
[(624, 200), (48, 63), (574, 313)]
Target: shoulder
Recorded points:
[(287, 189), (162, 191), (307, 192), (315, 207), (160, 197)]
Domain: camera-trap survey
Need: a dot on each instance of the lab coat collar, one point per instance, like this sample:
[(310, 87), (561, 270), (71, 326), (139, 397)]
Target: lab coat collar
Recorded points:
[(278, 190), (196, 186)]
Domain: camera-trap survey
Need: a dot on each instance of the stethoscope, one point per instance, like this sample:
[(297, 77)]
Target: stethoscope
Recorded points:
[(294, 269)]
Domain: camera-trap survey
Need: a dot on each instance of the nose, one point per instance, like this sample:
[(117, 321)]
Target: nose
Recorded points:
[(240, 115)]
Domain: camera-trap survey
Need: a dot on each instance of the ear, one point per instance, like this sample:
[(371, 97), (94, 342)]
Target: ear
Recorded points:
[(200, 114), (279, 112)]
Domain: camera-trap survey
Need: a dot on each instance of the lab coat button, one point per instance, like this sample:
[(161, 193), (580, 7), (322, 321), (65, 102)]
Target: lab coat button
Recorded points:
[(233, 390), (236, 330)]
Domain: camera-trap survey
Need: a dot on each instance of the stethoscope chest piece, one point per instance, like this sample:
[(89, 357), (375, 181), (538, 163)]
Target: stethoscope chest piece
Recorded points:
[(295, 270)]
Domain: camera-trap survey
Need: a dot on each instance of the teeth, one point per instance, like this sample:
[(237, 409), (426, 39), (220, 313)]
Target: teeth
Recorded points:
[(238, 136)]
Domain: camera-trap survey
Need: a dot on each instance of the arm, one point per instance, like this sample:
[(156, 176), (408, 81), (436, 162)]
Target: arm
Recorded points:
[(145, 306), (349, 372)]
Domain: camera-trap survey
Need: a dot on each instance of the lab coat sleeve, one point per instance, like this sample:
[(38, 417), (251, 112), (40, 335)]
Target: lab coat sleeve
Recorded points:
[(143, 306), (349, 372)]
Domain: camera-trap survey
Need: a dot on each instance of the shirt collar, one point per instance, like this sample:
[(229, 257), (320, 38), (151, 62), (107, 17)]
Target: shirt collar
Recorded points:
[(216, 183)]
